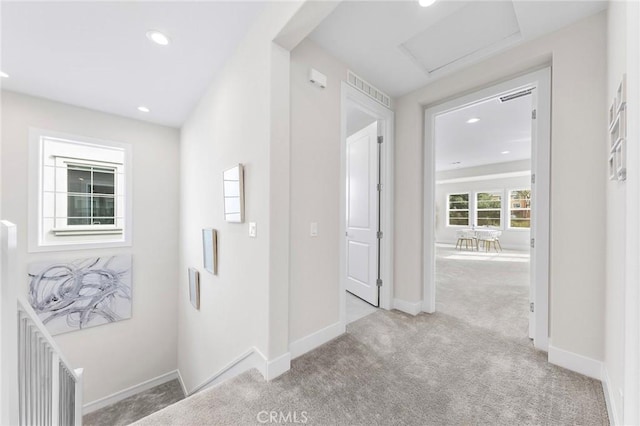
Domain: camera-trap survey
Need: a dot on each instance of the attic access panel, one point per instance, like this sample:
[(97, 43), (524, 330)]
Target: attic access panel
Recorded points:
[(477, 29)]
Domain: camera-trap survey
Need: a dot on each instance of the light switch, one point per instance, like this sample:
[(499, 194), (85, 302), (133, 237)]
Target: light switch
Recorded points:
[(253, 229), (313, 229)]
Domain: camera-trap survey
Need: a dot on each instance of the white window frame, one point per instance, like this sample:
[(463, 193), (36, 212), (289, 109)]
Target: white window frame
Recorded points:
[(47, 235), (476, 209), (509, 209), (469, 210)]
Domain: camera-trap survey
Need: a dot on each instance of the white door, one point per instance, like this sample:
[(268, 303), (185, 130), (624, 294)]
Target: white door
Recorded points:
[(362, 214)]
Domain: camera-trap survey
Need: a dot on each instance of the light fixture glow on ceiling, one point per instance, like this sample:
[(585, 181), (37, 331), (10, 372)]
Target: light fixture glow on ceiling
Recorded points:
[(143, 109), (505, 152), (158, 38), (426, 3), (4, 74), (473, 120)]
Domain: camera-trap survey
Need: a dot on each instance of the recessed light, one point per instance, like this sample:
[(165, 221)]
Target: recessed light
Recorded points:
[(143, 109), (4, 74), (473, 120), (426, 3), (158, 38), (505, 152)]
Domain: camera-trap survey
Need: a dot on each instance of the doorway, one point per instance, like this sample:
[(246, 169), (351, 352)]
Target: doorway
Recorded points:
[(487, 205), (366, 233)]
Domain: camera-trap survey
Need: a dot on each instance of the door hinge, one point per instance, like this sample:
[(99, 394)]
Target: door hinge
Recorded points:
[(531, 307), (534, 114), (379, 282), (380, 139), (379, 186), (533, 243), (379, 235), (533, 178)]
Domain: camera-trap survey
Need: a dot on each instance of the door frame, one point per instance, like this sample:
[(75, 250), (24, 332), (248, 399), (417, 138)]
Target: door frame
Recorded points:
[(385, 117), (540, 167)]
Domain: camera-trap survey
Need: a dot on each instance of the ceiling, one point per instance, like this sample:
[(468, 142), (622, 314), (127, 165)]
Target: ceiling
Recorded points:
[(503, 126), (96, 54), (399, 46)]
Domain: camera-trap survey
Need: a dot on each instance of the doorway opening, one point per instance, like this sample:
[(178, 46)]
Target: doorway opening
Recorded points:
[(487, 207), (366, 236)]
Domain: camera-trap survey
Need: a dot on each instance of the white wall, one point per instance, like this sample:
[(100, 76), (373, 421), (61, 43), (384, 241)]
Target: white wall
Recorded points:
[(577, 54), (119, 355), (237, 121), (511, 238), (315, 191), (620, 348)]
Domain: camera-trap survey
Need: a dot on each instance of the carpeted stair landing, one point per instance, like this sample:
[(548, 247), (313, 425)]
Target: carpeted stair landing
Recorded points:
[(469, 364), (394, 369)]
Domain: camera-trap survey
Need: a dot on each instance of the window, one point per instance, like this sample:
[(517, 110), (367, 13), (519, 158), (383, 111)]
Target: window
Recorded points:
[(458, 209), (489, 209), (520, 208), (79, 186)]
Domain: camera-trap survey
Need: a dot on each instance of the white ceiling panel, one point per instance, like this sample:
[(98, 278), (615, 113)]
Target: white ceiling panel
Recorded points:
[(471, 30)]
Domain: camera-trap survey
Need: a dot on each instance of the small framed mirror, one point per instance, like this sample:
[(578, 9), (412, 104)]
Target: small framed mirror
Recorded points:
[(233, 180), (210, 250)]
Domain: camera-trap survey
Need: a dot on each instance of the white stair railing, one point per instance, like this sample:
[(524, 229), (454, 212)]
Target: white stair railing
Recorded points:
[(38, 385)]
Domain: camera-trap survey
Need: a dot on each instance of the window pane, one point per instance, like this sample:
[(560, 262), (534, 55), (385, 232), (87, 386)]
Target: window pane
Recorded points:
[(78, 221), (520, 223), (520, 214), (103, 181), (103, 207), (78, 206), (488, 222), (459, 214), (78, 179), (460, 222), (458, 201), (489, 201), (489, 214)]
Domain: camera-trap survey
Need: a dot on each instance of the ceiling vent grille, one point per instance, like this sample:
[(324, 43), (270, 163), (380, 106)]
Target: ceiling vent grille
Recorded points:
[(516, 95), (368, 89)]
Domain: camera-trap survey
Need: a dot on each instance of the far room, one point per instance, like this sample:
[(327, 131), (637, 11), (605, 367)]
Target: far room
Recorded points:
[(483, 203)]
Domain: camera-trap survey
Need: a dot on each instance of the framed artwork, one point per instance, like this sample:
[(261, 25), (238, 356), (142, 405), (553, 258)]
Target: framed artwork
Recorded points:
[(233, 191), (194, 287), (210, 250), (81, 293)]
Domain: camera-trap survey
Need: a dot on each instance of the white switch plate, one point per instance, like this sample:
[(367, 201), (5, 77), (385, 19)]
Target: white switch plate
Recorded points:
[(313, 229), (253, 229)]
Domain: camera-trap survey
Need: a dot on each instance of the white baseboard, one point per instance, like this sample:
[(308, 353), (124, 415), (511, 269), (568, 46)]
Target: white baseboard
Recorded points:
[(411, 308), (612, 410), (312, 341), (248, 360), (253, 358), (575, 362), (130, 391), (277, 367)]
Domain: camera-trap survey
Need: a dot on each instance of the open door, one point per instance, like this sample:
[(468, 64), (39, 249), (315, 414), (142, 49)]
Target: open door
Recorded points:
[(362, 210)]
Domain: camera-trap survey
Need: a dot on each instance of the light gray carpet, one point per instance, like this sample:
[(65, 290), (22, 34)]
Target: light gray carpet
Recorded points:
[(470, 363), (136, 407)]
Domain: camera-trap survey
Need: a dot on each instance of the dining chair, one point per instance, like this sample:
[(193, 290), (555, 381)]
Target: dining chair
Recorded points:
[(466, 237)]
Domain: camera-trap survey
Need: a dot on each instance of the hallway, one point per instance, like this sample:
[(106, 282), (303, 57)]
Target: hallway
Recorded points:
[(469, 363)]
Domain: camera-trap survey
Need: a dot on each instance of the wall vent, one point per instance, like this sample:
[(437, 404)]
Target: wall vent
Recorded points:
[(368, 89), (516, 95)]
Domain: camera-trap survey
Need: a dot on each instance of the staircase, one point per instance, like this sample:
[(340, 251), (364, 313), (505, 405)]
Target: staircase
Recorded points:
[(37, 384)]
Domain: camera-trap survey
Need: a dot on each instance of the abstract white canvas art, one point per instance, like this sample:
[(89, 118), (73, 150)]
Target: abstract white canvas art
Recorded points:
[(82, 293)]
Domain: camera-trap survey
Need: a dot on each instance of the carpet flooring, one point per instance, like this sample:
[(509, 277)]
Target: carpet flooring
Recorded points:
[(470, 363), (137, 406)]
